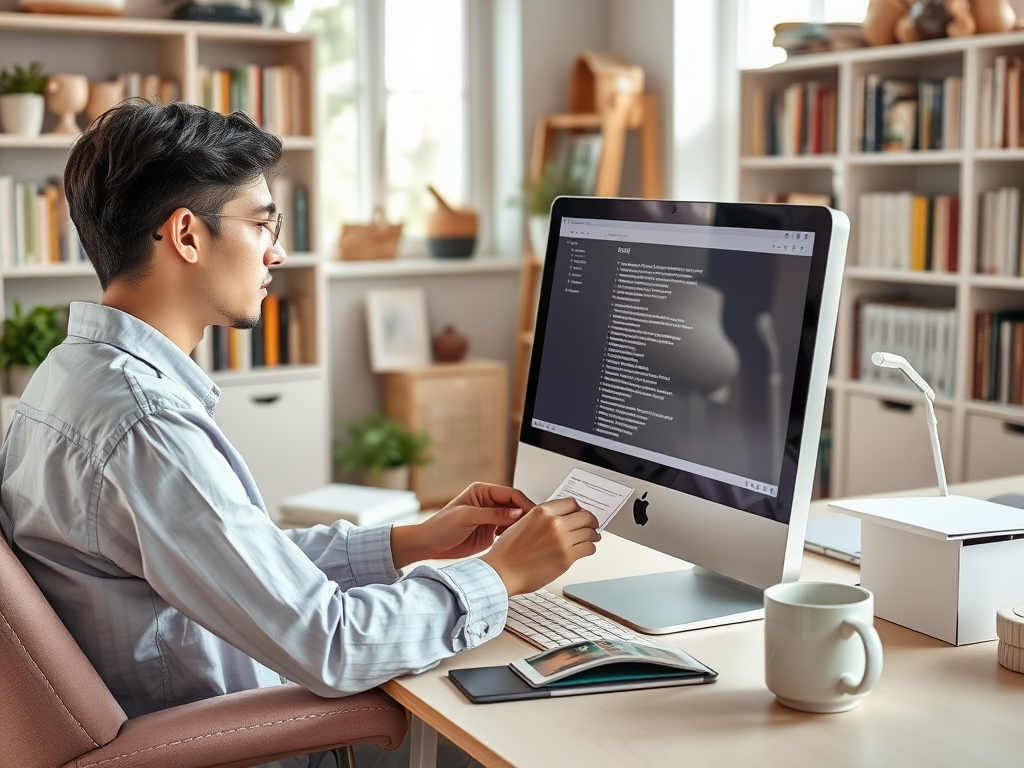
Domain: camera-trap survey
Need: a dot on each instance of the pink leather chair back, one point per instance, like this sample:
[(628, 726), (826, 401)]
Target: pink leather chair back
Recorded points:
[(53, 705)]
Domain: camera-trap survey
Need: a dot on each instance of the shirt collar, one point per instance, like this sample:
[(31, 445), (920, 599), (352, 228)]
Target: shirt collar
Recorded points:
[(142, 341)]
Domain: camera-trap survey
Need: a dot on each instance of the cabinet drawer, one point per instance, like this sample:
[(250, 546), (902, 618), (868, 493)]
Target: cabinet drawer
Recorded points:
[(994, 448), (281, 431), (889, 448)]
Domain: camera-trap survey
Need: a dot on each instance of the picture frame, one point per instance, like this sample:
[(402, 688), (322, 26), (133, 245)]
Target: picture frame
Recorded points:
[(396, 324)]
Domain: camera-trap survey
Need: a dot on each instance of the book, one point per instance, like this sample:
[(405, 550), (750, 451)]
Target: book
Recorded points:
[(609, 666), (607, 661), (358, 504)]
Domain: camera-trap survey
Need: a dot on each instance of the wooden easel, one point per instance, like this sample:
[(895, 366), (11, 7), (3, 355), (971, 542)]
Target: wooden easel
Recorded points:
[(605, 95)]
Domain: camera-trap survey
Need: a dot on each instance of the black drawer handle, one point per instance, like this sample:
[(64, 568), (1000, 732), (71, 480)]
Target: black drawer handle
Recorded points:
[(1017, 429), (265, 399), (894, 405)]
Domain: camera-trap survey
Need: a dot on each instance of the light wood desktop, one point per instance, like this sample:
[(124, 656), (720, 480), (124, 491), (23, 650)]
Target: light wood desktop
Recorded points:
[(936, 705)]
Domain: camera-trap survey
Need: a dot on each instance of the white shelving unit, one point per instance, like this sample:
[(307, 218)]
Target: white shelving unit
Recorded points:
[(268, 413), (879, 440)]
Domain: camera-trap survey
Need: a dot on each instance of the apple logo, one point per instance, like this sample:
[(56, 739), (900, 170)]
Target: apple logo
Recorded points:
[(640, 510)]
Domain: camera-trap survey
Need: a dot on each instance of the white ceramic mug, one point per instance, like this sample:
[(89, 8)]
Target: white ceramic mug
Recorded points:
[(821, 652)]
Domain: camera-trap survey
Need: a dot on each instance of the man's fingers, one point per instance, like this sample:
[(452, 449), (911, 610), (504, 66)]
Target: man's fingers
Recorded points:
[(565, 506)]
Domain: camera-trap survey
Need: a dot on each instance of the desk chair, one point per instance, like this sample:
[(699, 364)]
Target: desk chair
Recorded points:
[(56, 711)]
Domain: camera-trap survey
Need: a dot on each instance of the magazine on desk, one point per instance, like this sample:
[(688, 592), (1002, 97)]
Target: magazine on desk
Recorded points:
[(598, 666), (609, 661)]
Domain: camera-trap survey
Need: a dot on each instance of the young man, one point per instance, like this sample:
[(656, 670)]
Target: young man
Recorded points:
[(138, 519)]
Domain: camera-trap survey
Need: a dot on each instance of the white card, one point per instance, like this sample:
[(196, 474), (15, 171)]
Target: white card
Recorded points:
[(596, 494)]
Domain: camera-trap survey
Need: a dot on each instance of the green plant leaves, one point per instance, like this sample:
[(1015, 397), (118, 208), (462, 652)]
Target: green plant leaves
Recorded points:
[(376, 443), (28, 338), (23, 80)]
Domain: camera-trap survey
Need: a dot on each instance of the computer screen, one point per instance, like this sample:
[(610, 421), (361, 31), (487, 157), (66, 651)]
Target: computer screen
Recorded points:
[(682, 349)]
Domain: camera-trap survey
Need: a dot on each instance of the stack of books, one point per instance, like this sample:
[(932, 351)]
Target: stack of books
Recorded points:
[(35, 227), (271, 96), (798, 120), (903, 230), (998, 374), (280, 338), (358, 504), (900, 115), (924, 335), (1000, 248), (999, 114)]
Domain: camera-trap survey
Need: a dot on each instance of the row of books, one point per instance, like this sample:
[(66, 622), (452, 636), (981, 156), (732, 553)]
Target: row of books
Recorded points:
[(901, 114), (271, 96), (151, 87), (998, 373), (901, 230), (999, 114), (798, 120), (923, 334), (293, 201), (280, 338), (1000, 247), (35, 227)]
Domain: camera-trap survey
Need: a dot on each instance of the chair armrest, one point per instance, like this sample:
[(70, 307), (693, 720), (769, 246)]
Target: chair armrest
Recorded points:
[(251, 728)]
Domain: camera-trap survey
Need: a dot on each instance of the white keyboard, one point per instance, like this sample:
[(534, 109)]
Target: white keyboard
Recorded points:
[(549, 621)]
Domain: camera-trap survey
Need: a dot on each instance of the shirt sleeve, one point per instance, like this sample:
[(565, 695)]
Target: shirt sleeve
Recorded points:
[(217, 558), (348, 555)]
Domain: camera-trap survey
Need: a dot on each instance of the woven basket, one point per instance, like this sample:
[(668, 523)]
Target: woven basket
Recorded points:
[(366, 242)]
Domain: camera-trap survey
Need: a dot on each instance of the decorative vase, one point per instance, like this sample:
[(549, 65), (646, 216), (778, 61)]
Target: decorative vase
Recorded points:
[(539, 224), (66, 96), (104, 96), (449, 345), (451, 232), (22, 113), (396, 478), (18, 377)]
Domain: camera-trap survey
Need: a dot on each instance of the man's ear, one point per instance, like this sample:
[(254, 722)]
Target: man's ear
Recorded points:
[(184, 233)]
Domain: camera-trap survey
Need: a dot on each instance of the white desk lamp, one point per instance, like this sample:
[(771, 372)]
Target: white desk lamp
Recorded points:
[(889, 360)]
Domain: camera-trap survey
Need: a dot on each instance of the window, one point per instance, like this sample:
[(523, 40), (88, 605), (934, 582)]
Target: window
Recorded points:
[(393, 106), (759, 17)]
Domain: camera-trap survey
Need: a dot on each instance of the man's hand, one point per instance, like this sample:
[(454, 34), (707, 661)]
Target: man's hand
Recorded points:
[(466, 526), (543, 544)]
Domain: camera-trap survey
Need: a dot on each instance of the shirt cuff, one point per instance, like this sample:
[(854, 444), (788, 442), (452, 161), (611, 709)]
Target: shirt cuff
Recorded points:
[(483, 601), (369, 555)]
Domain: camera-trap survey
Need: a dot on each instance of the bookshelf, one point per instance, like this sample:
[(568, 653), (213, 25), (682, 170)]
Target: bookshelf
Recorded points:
[(266, 411), (876, 428)]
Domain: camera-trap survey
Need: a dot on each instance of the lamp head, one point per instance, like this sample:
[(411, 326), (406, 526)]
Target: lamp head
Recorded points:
[(889, 360)]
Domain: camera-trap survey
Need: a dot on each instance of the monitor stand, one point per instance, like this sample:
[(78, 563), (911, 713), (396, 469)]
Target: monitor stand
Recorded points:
[(660, 603)]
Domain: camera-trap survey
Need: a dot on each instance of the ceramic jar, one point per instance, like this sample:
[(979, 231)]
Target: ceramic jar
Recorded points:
[(66, 96)]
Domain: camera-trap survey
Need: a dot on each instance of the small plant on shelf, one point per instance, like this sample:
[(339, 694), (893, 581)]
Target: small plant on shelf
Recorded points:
[(21, 99), (381, 450), (555, 181), (29, 79), (27, 340)]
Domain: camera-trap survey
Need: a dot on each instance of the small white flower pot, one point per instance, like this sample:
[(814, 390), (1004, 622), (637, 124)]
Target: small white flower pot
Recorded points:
[(396, 478), (22, 113)]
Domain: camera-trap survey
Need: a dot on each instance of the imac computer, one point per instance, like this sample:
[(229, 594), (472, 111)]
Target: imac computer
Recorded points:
[(682, 349)]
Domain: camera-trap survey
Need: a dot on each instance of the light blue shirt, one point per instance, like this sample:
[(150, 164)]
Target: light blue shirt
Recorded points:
[(146, 532)]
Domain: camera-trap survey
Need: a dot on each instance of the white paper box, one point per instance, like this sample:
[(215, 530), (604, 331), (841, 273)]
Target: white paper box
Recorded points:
[(941, 565), (358, 504)]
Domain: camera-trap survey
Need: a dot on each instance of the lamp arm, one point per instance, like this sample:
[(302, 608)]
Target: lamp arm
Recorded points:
[(933, 433)]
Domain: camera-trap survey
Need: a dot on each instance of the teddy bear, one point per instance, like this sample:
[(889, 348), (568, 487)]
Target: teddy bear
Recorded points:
[(904, 21)]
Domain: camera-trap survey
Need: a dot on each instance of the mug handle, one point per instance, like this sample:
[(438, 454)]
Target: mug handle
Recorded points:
[(872, 657)]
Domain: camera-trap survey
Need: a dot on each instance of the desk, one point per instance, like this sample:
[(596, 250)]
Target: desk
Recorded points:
[(936, 705)]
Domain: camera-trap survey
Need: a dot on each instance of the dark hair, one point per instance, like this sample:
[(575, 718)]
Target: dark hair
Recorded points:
[(139, 162)]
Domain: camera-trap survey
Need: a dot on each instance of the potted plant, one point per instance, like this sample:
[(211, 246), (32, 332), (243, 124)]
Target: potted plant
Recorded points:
[(537, 199), (21, 99), (27, 340), (381, 450)]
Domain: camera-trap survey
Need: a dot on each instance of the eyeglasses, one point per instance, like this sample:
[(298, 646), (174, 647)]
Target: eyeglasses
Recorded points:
[(277, 225)]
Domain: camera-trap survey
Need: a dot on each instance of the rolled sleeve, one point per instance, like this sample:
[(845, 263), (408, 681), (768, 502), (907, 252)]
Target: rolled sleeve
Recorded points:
[(482, 599), (347, 555)]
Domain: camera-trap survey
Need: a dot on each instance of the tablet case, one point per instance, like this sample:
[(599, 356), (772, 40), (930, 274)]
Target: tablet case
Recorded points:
[(485, 685)]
